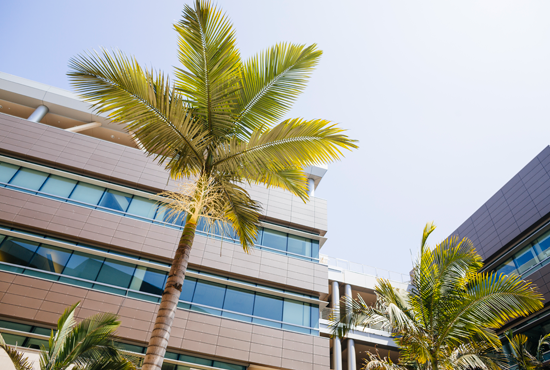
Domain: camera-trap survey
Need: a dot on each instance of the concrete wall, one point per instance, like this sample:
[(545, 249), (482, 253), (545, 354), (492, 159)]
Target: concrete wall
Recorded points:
[(43, 301)]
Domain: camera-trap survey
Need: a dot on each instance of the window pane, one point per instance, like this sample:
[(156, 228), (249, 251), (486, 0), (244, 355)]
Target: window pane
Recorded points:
[(36, 343), (84, 266), (7, 171), (293, 312), (543, 246), (238, 300), (59, 186), (315, 248), (258, 240), (148, 280), (274, 239), (165, 214), (525, 259), (116, 273), (196, 360), (17, 251), (187, 292), (314, 320), (143, 207), (225, 365), (299, 245), (507, 268), (49, 258), (116, 200), (268, 307), (209, 294), (87, 193), (30, 179)]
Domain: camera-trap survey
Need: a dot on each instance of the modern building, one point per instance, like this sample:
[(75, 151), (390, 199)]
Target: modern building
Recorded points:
[(80, 222), (511, 231)]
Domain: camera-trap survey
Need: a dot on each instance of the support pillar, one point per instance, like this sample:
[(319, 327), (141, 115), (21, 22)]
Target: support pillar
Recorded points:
[(38, 114), (311, 187), (337, 348), (352, 362)]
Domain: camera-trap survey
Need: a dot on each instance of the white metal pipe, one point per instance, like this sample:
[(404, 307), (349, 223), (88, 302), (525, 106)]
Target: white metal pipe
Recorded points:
[(86, 126), (337, 347), (311, 187), (352, 363), (38, 114)]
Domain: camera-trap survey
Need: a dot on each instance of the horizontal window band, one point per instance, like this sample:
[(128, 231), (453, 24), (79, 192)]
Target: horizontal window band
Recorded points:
[(163, 267)]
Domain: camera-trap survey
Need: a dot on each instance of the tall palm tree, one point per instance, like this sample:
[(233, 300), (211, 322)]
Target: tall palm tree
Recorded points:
[(519, 354), (87, 345), (451, 306), (218, 123)]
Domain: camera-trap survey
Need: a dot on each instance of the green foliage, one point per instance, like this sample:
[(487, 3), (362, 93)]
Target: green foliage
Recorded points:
[(447, 319), (520, 355)]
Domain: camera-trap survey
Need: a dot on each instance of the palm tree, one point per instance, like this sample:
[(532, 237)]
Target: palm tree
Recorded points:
[(87, 345), (519, 354), (447, 319), (219, 123)]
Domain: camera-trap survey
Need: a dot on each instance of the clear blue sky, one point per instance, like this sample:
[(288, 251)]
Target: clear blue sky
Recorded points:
[(448, 99)]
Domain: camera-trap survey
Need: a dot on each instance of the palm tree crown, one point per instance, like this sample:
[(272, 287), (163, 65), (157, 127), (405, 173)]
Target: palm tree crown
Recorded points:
[(447, 319)]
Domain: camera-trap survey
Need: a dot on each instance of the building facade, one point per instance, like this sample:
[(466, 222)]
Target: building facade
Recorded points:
[(511, 231)]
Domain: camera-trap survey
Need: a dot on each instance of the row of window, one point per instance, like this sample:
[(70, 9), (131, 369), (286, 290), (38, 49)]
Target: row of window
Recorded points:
[(536, 254), (34, 343), (82, 193), (92, 271)]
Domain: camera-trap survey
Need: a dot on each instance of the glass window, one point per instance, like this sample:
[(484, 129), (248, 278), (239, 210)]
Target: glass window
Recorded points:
[(543, 246), (525, 259), (148, 280), (507, 268), (225, 365), (87, 193), (49, 258), (294, 312), (84, 266), (209, 294), (299, 245), (17, 251), (7, 171), (116, 273), (258, 240), (238, 300), (268, 307), (14, 340), (187, 292), (166, 214), (314, 317), (60, 186), (274, 239), (30, 179), (315, 248), (36, 343), (196, 360), (143, 207), (116, 200)]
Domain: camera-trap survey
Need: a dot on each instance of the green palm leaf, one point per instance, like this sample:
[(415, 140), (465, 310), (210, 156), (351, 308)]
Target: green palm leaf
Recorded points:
[(17, 358)]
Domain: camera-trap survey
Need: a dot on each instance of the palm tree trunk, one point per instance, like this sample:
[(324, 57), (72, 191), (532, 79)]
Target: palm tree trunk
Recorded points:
[(156, 348)]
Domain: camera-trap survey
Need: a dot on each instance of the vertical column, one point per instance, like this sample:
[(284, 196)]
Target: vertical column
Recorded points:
[(311, 187), (352, 363), (337, 348), (38, 114)]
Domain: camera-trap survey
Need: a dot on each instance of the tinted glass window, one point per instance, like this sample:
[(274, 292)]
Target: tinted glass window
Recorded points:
[(209, 294), (268, 307), (259, 236), (507, 268), (116, 273), (293, 312), (315, 248), (17, 251), (223, 365), (165, 214), (314, 317), (84, 266), (238, 300), (29, 179), (525, 259), (196, 360), (7, 171), (143, 207), (50, 258), (59, 186), (299, 245), (148, 280), (116, 200), (188, 289), (87, 193), (274, 239)]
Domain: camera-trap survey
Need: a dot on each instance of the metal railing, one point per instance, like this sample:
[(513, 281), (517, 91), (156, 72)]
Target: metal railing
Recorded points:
[(359, 268)]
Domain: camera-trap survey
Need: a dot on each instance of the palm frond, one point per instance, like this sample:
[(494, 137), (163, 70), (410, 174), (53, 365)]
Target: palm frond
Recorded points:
[(17, 358), (291, 179), (376, 362), (271, 82), (211, 61)]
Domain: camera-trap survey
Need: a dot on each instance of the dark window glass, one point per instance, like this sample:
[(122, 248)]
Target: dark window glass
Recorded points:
[(209, 294), (148, 280), (274, 239), (299, 245), (187, 292), (17, 251), (15, 326), (130, 347), (525, 259), (84, 266), (315, 248), (224, 365), (507, 268), (36, 343), (60, 186), (268, 307), (543, 246), (49, 258), (87, 193), (196, 360), (14, 340), (116, 273), (166, 214), (7, 171), (116, 200), (43, 331), (238, 300), (167, 366), (142, 207), (30, 179)]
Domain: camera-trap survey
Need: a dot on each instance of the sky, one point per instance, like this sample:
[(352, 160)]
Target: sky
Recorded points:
[(449, 99)]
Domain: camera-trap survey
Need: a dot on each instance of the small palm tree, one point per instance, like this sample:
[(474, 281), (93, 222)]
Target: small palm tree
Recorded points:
[(519, 354), (447, 319), (219, 124), (87, 345)]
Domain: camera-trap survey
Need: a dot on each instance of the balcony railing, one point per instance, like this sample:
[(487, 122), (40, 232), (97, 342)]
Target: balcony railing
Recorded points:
[(359, 268)]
